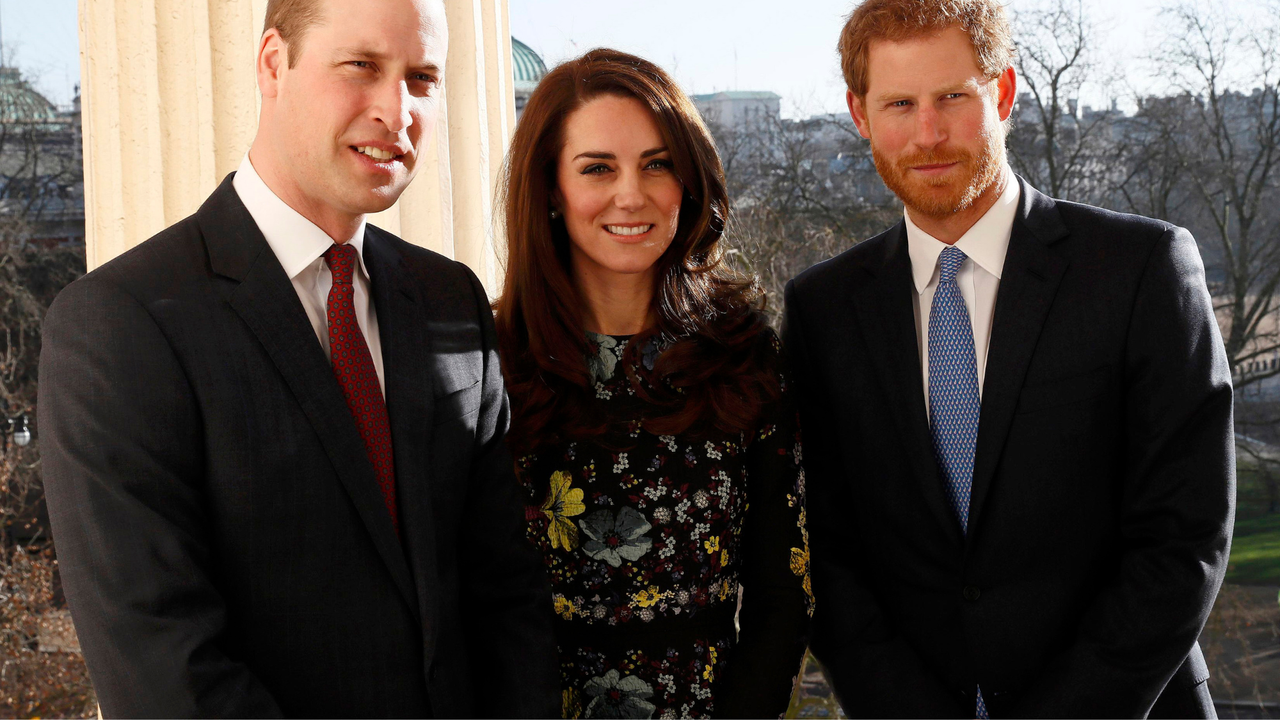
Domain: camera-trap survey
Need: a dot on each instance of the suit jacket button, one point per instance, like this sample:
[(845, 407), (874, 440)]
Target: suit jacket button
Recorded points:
[(971, 593)]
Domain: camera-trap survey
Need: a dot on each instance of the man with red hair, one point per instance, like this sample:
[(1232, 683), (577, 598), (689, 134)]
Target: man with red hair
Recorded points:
[(1018, 415)]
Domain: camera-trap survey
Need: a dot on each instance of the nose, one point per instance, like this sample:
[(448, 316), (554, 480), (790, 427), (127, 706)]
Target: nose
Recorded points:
[(630, 195), (391, 105), (930, 129)]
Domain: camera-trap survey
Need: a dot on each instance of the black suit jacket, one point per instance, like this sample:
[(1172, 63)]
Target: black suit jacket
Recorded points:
[(1103, 489), (222, 540)]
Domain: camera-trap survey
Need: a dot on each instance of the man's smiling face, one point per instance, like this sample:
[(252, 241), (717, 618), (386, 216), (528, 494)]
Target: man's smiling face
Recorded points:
[(934, 121), (351, 115)]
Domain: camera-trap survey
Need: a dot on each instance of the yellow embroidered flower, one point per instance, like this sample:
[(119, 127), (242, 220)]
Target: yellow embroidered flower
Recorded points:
[(564, 607), (708, 673), (800, 562), (570, 704), (647, 597), (724, 590), (800, 566), (724, 557), (712, 545), (561, 504)]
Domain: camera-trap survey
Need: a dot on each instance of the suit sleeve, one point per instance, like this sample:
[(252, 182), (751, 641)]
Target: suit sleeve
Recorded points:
[(1177, 502), (873, 670), (122, 459), (776, 599), (506, 596)]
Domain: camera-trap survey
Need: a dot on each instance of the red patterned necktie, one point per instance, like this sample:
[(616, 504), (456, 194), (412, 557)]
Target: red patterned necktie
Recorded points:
[(353, 366)]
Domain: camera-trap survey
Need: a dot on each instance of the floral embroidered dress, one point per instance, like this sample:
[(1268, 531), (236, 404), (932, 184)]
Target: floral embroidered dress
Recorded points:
[(646, 547)]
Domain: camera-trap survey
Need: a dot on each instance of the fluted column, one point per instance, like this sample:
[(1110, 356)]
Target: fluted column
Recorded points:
[(170, 105)]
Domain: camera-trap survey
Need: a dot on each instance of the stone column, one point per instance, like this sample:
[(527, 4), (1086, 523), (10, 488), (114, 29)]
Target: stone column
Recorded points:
[(170, 105)]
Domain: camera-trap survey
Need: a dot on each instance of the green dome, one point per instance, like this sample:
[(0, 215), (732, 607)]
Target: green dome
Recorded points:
[(19, 103), (527, 67)]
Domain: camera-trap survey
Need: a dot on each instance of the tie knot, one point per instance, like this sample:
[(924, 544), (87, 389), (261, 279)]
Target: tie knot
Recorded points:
[(949, 264), (342, 262)]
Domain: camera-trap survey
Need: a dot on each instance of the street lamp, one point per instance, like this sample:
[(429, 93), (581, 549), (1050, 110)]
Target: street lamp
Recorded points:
[(17, 428)]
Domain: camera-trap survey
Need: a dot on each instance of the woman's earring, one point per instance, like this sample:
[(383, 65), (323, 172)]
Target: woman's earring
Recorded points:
[(554, 213)]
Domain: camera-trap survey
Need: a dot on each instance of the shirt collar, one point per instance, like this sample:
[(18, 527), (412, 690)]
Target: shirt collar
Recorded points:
[(296, 241), (986, 243)]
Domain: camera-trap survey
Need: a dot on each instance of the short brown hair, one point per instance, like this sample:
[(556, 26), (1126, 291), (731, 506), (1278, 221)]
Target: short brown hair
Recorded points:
[(292, 19), (896, 20)]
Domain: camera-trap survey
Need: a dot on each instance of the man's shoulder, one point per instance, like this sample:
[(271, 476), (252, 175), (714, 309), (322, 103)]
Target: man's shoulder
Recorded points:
[(850, 265), (441, 278), (1091, 221)]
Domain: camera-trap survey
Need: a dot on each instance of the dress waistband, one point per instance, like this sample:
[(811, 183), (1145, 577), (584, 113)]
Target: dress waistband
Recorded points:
[(713, 623)]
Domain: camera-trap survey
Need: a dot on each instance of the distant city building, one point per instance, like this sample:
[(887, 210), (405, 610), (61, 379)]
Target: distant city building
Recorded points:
[(739, 108), (528, 69), (41, 166)]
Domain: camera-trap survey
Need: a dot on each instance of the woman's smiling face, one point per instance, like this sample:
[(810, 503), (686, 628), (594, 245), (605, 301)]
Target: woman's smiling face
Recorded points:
[(616, 188)]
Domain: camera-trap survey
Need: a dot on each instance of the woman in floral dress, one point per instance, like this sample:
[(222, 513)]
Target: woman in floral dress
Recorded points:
[(651, 420)]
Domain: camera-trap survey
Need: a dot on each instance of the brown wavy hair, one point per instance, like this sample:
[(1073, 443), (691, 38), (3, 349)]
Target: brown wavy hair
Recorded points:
[(716, 369)]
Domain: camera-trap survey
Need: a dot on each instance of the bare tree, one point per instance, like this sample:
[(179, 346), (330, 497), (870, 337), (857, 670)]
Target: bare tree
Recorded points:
[(1056, 144), (802, 191), (1226, 112)]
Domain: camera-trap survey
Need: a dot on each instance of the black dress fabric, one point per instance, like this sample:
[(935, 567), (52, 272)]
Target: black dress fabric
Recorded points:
[(652, 541)]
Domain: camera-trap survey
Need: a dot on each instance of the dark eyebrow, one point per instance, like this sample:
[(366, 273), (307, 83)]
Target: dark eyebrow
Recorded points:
[(364, 54), (599, 155)]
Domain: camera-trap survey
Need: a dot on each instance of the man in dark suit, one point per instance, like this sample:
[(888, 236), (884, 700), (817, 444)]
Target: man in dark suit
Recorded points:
[(274, 436), (1017, 414)]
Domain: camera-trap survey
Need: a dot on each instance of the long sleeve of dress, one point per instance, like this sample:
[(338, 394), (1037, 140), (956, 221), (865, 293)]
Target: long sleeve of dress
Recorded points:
[(777, 600)]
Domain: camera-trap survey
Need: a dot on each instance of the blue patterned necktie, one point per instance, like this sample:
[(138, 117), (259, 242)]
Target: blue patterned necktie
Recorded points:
[(954, 403), (953, 385)]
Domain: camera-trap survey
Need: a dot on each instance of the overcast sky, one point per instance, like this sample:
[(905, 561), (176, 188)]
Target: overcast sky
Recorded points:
[(787, 46)]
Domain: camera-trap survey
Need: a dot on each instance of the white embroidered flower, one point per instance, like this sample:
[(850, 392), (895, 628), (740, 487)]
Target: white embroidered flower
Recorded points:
[(669, 441), (653, 493), (599, 612), (661, 515), (646, 614), (681, 509), (700, 529), (700, 498), (682, 597), (712, 452), (622, 463)]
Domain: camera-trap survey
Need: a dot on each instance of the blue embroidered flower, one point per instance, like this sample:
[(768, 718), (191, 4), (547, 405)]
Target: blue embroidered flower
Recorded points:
[(608, 351), (614, 539)]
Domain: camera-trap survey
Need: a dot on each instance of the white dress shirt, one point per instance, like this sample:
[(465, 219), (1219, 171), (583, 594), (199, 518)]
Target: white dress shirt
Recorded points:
[(299, 245), (985, 244)]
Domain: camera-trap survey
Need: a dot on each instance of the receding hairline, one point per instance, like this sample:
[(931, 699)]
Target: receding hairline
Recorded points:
[(292, 19)]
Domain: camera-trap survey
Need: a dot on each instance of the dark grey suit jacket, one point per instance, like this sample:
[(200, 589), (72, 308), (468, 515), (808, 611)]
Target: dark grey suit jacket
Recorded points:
[(222, 539), (1103, 489)]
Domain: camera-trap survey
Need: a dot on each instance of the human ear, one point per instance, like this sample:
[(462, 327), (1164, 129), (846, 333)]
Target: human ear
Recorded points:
[(273, 54), (1006, 92), (858, 111)]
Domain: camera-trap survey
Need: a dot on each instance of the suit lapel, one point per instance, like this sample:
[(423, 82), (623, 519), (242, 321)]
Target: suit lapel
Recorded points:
[(268, 304), (1028, 284), (406, 365), (885, 310)]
